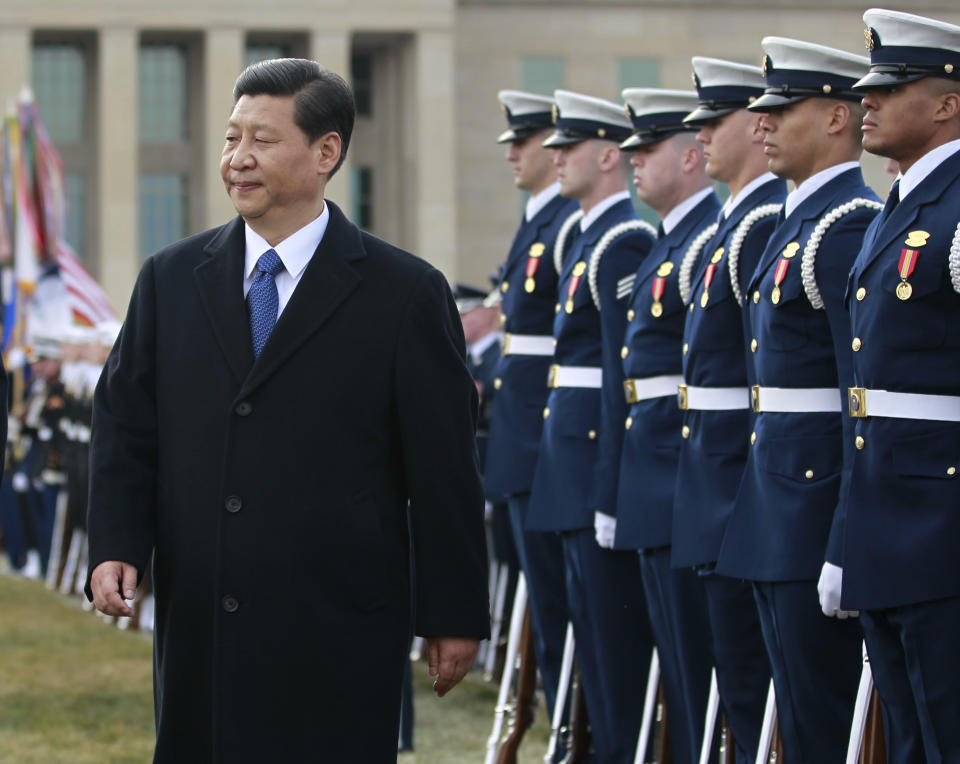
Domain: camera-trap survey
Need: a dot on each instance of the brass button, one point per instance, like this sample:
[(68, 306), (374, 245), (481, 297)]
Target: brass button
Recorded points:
[(685, 432), (504, 286), (860, 442), (861, 293), (592, 434), (556, 308), (631, 314), (808, 474), (624, 351), (690, 308), (686, 348), (497, 383), (753, 345), (856, 344), (546, 413), (629, 423), (756, 297), (753, 438), (951, 471)]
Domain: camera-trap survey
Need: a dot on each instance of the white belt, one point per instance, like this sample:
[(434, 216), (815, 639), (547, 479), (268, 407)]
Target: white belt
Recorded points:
[(575, 376), (713, 398), (528, 344), (637, 390), (864, 403), (796, 400)]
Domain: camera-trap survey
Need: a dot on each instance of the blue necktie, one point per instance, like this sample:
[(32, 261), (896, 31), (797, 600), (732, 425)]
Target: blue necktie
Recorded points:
[(263, 302), (893, 199), (660, 232)]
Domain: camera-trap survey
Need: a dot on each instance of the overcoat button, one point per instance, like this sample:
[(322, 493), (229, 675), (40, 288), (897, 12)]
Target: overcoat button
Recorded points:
[(233, 504), (230, 604), (244, 408)]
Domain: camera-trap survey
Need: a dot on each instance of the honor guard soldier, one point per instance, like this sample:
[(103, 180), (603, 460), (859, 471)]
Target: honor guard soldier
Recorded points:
[(600, 248), (669, 176), (899, 560), (715, 399), (799, 345), (528, 289)]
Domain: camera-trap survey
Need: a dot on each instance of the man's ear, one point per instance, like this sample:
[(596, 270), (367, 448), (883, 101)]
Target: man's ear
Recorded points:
[(838, 116), (948, 108), (326, 150)]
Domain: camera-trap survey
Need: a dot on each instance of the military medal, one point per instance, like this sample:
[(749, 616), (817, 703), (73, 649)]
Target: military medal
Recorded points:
[(778, 276), (658, 288), (717, 256), (665, 268), (707, 281), (578, 270), (533, 262), (790, 250), (908, 261)]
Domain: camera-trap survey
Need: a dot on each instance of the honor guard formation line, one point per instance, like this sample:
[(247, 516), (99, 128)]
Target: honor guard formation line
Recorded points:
[(726, 446), (721, 452)]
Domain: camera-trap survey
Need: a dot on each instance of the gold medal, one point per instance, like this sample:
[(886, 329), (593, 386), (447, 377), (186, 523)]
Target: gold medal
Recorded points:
[(904, 290), (569, 306), (775, 295), (656, 309), (704, 298), (529, 285)]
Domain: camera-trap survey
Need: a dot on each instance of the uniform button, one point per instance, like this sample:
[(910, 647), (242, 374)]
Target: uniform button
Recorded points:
[(629, 423), (497, 383), (808, 474), (624, 351), (685, 432), (951, 471), (753, 345), (631, 314), (753, 438), (686, 348), (504, 286), (860, 442), (546, 413), (244, 408), (856, 344), (861, 293), (756, 297), (233, 504), (503, 320), (592, 434), (690, 308), (230, 604), (556, 308)]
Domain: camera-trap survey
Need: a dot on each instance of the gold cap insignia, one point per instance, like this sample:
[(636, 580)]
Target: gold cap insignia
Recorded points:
[(917, 238), (601, 133), (626, 110), (871, 39), (554, 113), (665, 269), (766, 65), (948, 68), (827, 89), (537, 249)]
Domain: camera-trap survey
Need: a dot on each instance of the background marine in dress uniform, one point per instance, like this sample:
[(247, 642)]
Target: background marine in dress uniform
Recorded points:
[(902, 534), (716, 397), (613, 641), (528, 289), (800, 348)]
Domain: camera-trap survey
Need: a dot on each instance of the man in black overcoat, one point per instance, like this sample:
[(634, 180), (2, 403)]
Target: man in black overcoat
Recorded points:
[(269, 467)]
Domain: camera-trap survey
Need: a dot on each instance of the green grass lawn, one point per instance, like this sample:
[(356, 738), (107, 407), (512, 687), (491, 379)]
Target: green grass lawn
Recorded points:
[(75, 690)]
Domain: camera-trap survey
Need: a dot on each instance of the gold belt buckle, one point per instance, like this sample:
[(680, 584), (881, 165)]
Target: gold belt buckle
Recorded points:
[(682, 397), (630, 390), (755, 398), (857, 401), (552, 375), (506, 344)]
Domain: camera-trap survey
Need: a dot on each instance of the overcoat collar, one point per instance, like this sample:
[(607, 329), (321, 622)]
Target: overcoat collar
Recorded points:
[(326, 282)]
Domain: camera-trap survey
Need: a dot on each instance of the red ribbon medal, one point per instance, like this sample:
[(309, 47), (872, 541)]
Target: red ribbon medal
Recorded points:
[(707, 281), (657, 289), (578, 270), (532, 264), (908, 261), (778, 276)]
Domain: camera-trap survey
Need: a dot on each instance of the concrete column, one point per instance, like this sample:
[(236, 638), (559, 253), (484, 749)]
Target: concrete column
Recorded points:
[(117, 121), (222, 61), (331, 48), (435, 157), (15, 72)]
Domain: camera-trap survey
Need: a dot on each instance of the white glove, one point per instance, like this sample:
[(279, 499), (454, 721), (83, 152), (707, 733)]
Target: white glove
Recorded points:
[(606, 528), (829, 587)]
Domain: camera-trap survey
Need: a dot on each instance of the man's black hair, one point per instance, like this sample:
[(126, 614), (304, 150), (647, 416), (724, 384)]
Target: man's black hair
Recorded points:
[(323, 101)]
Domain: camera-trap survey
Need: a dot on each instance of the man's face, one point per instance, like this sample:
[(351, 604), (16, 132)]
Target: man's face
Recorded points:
[(899, 121), (792, 139), (726, 142), (270, 172), (533, 168), (578, 168), (656, 172)]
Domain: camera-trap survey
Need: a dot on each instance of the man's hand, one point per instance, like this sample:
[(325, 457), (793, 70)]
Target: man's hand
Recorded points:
[(829, 587), (108, 581), (450, 658)]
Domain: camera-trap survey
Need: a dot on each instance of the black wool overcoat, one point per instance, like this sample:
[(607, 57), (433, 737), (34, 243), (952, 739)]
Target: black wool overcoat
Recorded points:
[(273, 494)]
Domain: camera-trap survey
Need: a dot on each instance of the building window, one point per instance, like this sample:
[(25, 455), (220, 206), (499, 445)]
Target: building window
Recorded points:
[(265, 52), (59, 84), (75, 191), (361, 189), (263, 46), (637, 73), (361, 76), (163, 93), (541, 74), (163, 211)]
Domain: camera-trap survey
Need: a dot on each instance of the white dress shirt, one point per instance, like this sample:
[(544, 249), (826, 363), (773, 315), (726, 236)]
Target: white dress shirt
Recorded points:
[(813, 184)]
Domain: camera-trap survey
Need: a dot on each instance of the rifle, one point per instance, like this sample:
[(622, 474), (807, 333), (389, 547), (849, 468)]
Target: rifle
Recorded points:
[(649, 707), (494, 658), (770, 748), (867, 745), (710, 723), (563, 687), (578, 739), (525, 701), (506, 682)]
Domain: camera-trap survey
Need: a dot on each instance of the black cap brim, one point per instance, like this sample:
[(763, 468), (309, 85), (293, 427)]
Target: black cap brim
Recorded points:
[(887, 79), (776, 101), (637, 140), (704, 114), (562, 138)]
